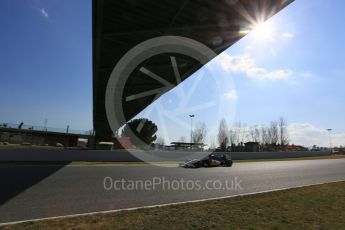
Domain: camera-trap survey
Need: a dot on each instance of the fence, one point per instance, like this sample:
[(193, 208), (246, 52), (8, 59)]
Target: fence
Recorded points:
[(45, 128)]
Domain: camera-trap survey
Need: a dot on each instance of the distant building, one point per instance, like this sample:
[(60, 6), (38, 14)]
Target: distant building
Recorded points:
[(187, 146), (251, 147), (39, 137)]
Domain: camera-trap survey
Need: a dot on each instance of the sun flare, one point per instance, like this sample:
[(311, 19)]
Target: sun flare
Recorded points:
[(263, 31)]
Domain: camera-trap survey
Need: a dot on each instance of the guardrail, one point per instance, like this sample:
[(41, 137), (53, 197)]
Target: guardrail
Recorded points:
[(124, 156)]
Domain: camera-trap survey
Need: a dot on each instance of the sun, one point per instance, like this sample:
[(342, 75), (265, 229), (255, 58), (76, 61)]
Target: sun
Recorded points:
[(262, 32)]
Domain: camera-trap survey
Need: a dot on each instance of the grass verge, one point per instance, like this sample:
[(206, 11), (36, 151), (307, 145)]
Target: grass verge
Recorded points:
[(313, 207)]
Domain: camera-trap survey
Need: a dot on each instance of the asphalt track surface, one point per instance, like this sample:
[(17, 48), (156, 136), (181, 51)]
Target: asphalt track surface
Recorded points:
[(31, 192)]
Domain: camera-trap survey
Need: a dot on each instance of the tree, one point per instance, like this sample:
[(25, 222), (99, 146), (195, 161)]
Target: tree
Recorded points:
[(256, 134), (212, 143), (283, 134), (199, 133), (232, 136), (241, 133), (142, 129), (273, 133), (264, 136), (223, 137)]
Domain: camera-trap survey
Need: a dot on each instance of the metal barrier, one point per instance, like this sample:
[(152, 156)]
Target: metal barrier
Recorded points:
[(124, 156)]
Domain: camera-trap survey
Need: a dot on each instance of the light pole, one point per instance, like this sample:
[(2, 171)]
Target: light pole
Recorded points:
[(330, 139), (191, 128), (45, 124)]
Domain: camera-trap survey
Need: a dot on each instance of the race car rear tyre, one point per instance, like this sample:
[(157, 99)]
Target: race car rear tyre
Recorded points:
[(205, 164)]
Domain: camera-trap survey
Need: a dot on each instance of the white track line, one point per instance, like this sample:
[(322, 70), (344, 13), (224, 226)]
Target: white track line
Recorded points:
[(162, 205)]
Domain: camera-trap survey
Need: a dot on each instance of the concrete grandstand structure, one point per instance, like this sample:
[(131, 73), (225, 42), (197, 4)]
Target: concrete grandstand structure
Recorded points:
[(118, 26)]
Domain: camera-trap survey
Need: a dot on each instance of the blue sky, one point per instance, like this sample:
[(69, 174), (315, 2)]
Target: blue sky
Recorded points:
[(296, 70), (45, 62)]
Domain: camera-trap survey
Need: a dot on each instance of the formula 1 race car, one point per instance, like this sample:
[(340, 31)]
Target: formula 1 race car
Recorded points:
[(212, 160)]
